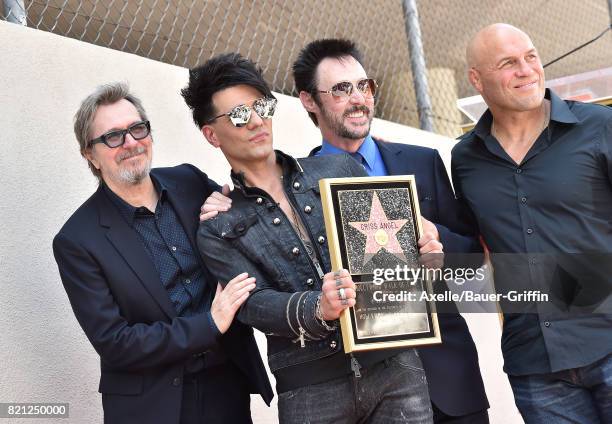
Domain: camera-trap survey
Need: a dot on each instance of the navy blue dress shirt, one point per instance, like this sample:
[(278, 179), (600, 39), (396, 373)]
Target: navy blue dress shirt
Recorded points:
[(168, 245), (557, 201)]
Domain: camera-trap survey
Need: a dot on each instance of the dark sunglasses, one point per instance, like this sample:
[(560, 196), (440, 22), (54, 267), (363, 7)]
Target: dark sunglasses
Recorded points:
[(367, 87), (112, 139), (241, 114)]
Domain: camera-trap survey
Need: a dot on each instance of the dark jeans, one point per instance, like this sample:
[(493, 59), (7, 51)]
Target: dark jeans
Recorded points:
[(205, 393), (392, 391), (578, 396)]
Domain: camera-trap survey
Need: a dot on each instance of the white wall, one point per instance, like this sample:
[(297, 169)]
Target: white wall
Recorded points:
[(44, 355)]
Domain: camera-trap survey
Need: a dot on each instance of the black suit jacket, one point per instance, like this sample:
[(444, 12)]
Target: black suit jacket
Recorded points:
[(126, 313), (453, 373)]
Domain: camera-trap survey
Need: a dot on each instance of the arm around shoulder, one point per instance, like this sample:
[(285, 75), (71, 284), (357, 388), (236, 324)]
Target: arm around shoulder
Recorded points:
[(121, 344)]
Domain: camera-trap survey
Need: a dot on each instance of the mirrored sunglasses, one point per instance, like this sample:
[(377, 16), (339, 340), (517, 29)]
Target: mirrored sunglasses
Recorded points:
[(367, 87), (241, 115), (113, 139)]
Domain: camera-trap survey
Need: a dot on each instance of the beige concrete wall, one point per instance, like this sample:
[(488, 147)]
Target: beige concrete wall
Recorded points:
[(44, 355)]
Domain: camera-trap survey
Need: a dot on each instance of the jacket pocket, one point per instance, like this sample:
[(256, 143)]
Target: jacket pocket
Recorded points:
[(283, 352), (121, 384), (240, 228)]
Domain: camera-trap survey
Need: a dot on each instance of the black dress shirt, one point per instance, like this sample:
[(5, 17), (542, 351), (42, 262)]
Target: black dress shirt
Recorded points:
[(557, 201)]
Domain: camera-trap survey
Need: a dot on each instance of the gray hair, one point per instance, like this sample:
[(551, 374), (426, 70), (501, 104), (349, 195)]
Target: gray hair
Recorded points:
[(83, 119)]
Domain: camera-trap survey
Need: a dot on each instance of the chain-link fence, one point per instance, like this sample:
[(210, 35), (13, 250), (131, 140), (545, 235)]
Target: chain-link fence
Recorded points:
[(271, 32), (555, 26)]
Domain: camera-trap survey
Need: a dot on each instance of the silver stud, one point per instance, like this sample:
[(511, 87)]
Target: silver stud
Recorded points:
[(259, 200), (307, 209), (333, 344), (321, 239), (296, 185), (309, 282), (276, 221), (295, 251)]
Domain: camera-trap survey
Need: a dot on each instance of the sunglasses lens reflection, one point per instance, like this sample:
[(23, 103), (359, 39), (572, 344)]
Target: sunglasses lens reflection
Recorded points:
[(241, 115), (265, 107), (367, 87), (344, 89)]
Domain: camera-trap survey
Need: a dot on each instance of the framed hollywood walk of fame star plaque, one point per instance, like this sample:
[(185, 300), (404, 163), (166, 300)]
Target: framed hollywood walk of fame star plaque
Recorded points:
[(372, 225)]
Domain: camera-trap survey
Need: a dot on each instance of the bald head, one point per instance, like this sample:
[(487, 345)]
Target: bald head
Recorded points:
[(489, 40), (504, 67)]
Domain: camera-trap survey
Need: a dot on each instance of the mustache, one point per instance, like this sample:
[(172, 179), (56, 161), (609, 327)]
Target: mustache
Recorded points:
[(358, 108), (131, 153)]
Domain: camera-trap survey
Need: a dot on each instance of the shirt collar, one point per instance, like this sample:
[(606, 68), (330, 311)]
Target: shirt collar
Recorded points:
[(288, 163), (559, 112), (483, 127), (128, 211), (367, 150)]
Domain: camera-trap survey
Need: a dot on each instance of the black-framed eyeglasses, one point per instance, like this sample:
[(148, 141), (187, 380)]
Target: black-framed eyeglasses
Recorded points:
[(112, 139), (241, 114), (367, 87)]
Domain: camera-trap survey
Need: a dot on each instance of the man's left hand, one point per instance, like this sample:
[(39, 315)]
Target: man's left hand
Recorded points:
[(215, 203)]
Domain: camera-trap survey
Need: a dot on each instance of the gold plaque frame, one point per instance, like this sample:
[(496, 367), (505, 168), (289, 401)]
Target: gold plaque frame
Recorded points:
[(391, 227)]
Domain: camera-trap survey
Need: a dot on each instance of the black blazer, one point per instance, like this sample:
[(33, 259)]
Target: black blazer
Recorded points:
[(126, 313), (453, 373)]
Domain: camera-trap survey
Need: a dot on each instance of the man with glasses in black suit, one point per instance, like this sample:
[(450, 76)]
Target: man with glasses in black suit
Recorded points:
[(128, 260)]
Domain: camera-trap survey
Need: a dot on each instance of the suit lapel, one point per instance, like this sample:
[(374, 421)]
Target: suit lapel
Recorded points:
[(394, 160), (398, 161), (187, 207), (130, 247)]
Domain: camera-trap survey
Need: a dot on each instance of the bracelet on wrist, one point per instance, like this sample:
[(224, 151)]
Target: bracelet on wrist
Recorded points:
[(319, 315)]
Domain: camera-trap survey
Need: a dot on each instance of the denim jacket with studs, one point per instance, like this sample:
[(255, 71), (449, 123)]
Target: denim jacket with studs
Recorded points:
[(255, 236)]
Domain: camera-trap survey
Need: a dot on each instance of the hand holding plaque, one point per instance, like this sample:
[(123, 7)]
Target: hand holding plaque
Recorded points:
[(430, 248), (373, 224), (338, 293)]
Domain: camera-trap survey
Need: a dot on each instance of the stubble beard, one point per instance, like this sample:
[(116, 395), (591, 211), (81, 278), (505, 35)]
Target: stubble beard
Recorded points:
[(338, 127), (132, 174)]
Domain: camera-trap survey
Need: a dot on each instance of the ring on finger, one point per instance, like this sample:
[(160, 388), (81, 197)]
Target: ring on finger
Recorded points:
[(338, 282), (344, 302), (342, 293), (337, 274)]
